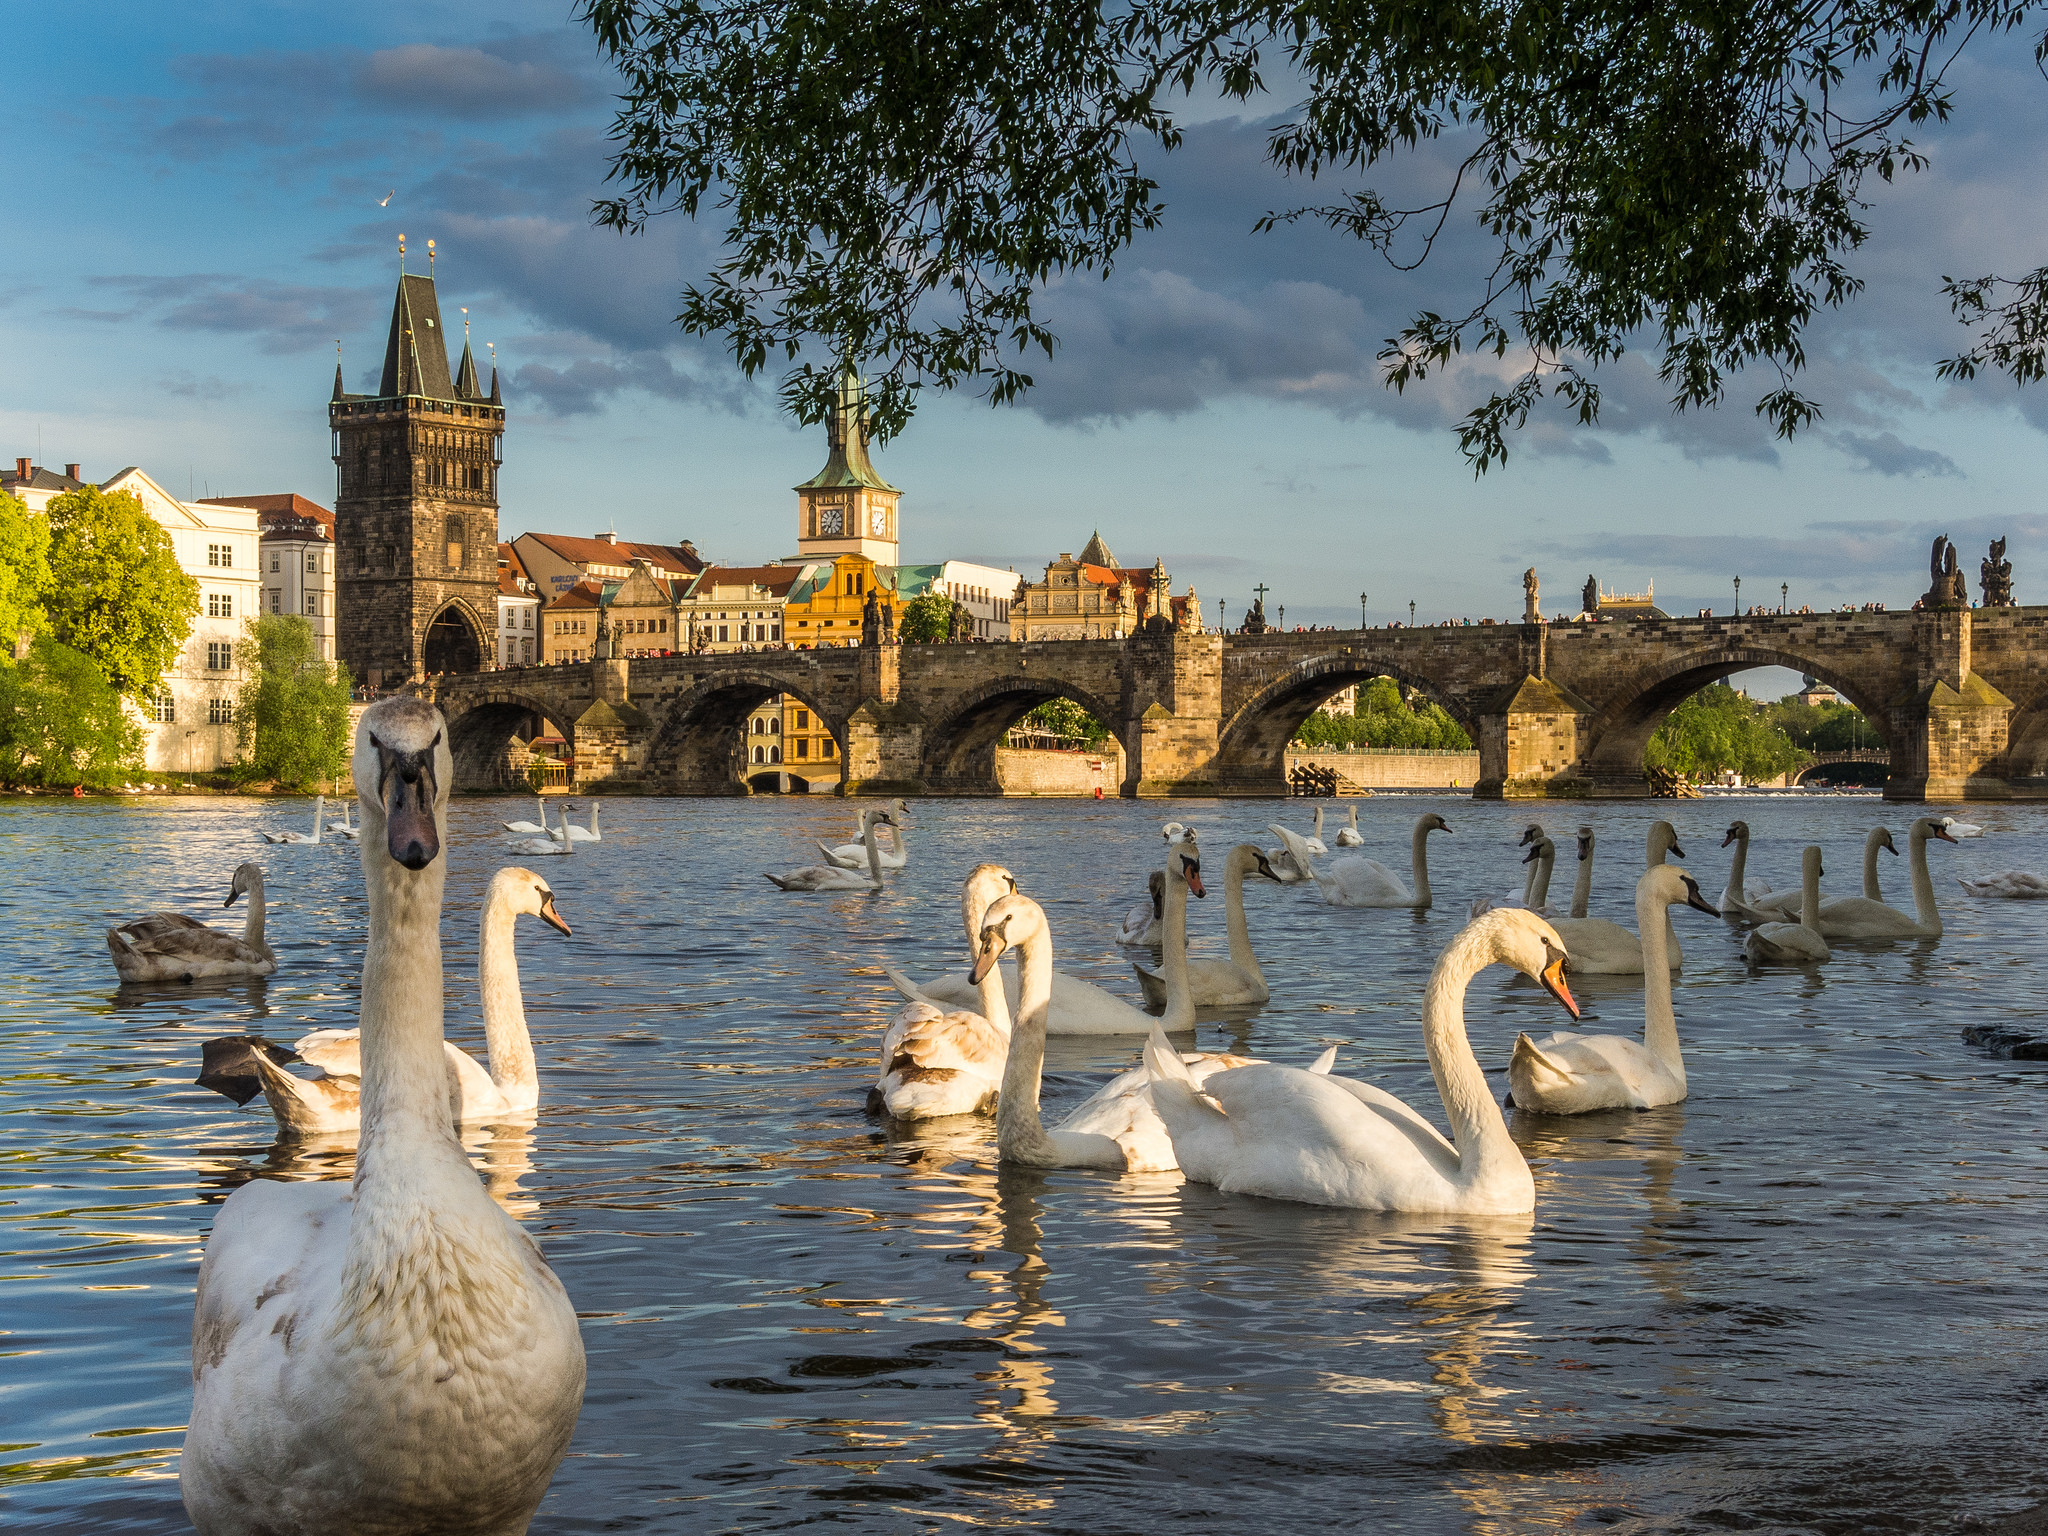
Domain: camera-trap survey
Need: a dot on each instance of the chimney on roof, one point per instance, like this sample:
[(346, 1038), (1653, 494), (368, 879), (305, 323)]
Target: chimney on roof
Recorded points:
[(21, 469), (72, 471), (610, 537)]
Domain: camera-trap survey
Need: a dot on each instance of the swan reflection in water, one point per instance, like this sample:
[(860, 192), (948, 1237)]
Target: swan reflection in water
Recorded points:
[(501, 1154)]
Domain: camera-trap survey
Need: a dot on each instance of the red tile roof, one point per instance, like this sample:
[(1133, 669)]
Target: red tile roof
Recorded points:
[(669, 557), (778, 579)]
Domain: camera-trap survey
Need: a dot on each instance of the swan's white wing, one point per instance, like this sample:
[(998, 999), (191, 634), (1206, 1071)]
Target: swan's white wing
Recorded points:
[(1755, 888), (1367, 883), (337, 1052), (1137, 924), (1304, 1136)]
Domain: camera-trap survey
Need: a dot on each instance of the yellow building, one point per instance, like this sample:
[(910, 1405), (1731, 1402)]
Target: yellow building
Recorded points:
[(825, 609)]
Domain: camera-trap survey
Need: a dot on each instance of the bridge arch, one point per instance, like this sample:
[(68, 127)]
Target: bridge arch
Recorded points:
[(455, 640), (1866, 757), (700, 747), (1251, 747), (960, 748), (1613, 741), (480, 731)]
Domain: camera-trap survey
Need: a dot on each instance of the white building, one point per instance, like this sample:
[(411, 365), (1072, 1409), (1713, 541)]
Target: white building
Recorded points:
[(984, 591), (297, 559), (518, 612)]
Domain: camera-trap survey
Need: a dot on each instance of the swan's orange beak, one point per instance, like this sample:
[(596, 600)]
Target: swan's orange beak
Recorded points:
[(1940, 832), (549, 915), (1554, 984), (1192, 870)]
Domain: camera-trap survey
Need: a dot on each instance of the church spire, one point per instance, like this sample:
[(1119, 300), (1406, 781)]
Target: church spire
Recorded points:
[(416, 354), (465, 376), (495, 399), (846, 429), (339, 392)]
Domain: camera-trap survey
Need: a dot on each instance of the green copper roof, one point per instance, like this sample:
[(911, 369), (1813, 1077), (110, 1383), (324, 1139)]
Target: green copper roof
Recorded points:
[(847, 466)]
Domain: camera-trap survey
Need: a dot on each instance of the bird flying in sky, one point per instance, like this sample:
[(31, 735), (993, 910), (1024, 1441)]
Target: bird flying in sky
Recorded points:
[(385, 200)]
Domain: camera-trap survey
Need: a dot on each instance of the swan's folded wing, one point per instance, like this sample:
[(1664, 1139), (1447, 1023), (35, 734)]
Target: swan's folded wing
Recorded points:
[(1368, 882), (1293, 1112), (172, 935), (337, 1052), (931, 1039), (1425, 1136)]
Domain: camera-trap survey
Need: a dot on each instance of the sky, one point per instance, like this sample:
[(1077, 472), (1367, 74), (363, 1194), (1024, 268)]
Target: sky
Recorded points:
[(207, 197)]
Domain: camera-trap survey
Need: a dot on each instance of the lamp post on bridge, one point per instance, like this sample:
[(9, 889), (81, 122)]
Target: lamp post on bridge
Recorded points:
[(1362, 624), (1283, 618), (1219, 615), (1738, 597), (1784, 597), (1411, 613)]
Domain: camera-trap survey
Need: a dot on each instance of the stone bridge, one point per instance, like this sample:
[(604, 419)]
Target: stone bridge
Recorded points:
[(1875, 757), (1959, 697)]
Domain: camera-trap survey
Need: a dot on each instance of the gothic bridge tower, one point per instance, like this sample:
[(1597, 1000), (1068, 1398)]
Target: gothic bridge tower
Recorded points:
[(416, 506)]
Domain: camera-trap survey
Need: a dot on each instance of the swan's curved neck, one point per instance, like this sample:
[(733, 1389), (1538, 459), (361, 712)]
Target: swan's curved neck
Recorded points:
[(1173, 956), (1477, 1129), (252, 925), (1418, 864), (1020, 1133), (1809, 894), (506, 1041), (1537, 893), (1924, 908), (1871, 844), (319, 815), (1660, 1025), (1582, 886), (1241, 954), (867, 837), (1738, 873)]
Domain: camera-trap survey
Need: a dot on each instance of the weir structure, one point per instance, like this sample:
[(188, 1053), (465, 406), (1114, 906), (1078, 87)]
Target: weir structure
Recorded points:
[(1959, 697)]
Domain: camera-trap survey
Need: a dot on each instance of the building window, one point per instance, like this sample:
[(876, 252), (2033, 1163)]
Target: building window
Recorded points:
[(760, 755), (312, 564), (827, 747), (164, 708), (312, 604), (803, 719), (775, 754), (276, 598), (220, 711), (220, 554), (455, 543), (721, 632), (526, 618), (775, 727), (273, 562), (220, 655), (220, 605), (803, 749), (760, 727)]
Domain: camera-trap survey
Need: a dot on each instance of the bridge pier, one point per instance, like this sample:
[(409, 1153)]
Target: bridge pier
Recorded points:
[(1531, 746)]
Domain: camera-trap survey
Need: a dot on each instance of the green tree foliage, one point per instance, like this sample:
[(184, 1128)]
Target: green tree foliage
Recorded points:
[(292, 718), (1385, 720), (1718, 729), (61, 723), (1823, 727), (116, 592), (24, 571), (899, 183), (926, 617), (1066, 719)]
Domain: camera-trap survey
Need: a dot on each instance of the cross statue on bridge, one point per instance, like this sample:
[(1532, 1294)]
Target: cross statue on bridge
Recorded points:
[(1260, 593)]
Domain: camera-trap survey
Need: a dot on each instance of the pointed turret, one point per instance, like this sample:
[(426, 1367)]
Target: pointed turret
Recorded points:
[(416, 354), (847, 431), (1095, 552), (465, 376), (495, 400), (339, 392)]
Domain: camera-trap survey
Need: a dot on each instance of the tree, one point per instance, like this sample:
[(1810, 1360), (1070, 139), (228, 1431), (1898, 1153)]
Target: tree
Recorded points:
[(62, 723), (116, 592), (898, 183), (926, 618), (292, 717), (1716, 730), (24, 571), (1383, 719), (1065, 719), (1823, 727)]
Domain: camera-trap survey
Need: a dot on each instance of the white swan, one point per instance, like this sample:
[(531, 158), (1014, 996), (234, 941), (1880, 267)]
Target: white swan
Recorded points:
[(2009, 885), (577, 834), (936, 1061), (530, 826), (1797, 943), (1742, 896), (1567, 1073), (341, 827), (895, 851), (1140, 927), (169, 946), (1535, 893), (1117, 1128), (1599, 947), (1354, 881), (390, 1354), (832, 877), (1348, 835), (1861, 917), (1234, 983), (1080, 1007), (1957, 829), (555, 844), (1315, 842), (1293, 1135), (330, 1102), (319, 814)]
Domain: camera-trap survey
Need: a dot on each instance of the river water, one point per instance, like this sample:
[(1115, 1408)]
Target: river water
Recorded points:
[(1806, 1300)]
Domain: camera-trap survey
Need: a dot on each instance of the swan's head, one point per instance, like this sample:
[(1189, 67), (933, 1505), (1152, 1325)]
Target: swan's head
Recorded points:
[(1884, 841), (1172, 832), (1532, 834), (1663, 840), (1673, 887), (1520, 938), (1543, 849), (1738, 831), (1184, 863), (1246, 859), (247, 877), (1435, 823), (985, 885), (1933, 826), (526, 894), (1010, 921), (1585, 844), (402, 769)]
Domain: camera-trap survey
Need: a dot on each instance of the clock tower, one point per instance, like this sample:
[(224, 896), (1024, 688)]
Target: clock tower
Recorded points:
[(846, 508)]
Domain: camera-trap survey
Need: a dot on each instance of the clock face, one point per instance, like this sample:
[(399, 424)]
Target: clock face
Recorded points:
[(878, 521), (831, 520)]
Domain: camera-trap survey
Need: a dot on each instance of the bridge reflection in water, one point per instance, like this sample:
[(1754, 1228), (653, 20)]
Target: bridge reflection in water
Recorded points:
[(1958, 697)]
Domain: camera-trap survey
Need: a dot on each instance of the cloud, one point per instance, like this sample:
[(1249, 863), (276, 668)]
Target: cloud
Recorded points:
[(192, 387), (503, 78), (1884, 454), (1825, 552), (588, 383), (286, 317)]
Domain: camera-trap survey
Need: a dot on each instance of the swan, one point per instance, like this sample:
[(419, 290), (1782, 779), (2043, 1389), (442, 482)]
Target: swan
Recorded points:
[(1862, 917), (169, 946), (1314, 842), (1956, 829), (2012, 885), (577, 834), (1797, 943), (1348, 835), (1599, 947), (831, 877), (340, 826), (1744, 894), (241, 1066), (393, 1353), (530, 826), (938, 1061), (1535, 893), (1355, 881), (319, 812), (1080, 1007), (1566, 1073), (1234, 983), (1140, 927), (895, 853), (1293, 1135), (556, 842)]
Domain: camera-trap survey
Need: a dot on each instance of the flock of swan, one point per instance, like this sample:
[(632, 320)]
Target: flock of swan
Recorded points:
[(394, 1353)]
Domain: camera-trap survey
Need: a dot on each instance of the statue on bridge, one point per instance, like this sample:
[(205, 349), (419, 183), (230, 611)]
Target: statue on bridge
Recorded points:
[(1995, 577), (1531, 613), (1255, 618), (871, 619), (1949, 589), (1589, 596), (603, 649)]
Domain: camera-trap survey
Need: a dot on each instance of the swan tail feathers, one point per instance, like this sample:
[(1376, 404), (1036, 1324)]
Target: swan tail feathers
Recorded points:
[(1297, 846), (1164, 1063), (779, 883), (905, 985), (1324, 1062), (1531, 1060)]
